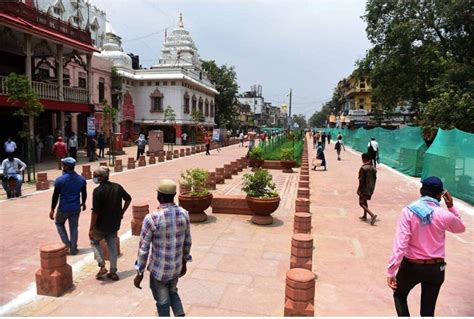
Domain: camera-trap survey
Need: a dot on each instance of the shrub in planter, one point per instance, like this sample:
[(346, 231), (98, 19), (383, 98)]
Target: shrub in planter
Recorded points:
[(262, 198), (256, 157), (198, 199), (287, 160)]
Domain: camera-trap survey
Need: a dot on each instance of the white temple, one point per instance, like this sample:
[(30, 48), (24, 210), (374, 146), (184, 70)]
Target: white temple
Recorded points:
[(177, 81)]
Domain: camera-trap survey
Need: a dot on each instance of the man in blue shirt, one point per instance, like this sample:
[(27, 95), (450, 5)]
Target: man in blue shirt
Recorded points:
[(67, 189)]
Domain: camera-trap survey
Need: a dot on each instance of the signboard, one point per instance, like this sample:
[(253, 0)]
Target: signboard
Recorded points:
[(91, 126), (216, 134)]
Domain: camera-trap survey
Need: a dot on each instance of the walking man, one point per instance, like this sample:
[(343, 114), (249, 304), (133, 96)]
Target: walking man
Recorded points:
[(241, 138), (419, 247), (323, 139), (107, 213), (72, 143), (59, 151), (367, 178), (373, 150), (101, 144), (184, 138), (168, 231), (141, 142), (207, 142), (339, 145), (67, 188)]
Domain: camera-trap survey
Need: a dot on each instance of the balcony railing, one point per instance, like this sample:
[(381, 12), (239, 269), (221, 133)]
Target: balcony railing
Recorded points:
[(33, 15), (51, 91)]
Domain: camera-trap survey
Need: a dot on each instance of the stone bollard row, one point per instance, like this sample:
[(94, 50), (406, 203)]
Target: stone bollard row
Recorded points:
[(118, 165), (55, 276), (42, 182), (152, 159), (105, 248), (188, 151), (299, 293), (302, 223), (303, 193), (139, 211), (131, 163), (142, 161), (304, 177), (211, 181), (86, 171), (302, 251), (303, 184), (227, 171), (181, 152), (193, 150), (234, 167), (176, 154), (220, 179), (169, 155), (245, 162)]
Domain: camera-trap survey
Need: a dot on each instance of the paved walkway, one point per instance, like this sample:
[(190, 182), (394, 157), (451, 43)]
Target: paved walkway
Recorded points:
[(351, 256)]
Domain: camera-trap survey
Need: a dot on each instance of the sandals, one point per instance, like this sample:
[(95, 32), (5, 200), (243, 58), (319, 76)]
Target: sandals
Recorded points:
[(113, 276), (101, 272)]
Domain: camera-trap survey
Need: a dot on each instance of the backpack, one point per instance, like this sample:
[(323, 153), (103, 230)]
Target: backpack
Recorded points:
[(337, 146)]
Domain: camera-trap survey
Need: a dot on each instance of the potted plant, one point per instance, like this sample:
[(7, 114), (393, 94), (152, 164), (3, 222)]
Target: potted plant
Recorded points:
[(256, 157), (287, 160), (262, 198), (198, 198)]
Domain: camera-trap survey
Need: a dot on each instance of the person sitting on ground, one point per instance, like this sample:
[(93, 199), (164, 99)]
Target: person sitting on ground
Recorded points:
[(107, 213), (12, 168), (367, 179)]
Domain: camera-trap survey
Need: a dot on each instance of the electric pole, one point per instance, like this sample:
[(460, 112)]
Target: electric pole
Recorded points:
[(289, 112)]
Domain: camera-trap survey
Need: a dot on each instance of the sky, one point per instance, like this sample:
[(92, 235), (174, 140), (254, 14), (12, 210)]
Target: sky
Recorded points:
[(303, 45)]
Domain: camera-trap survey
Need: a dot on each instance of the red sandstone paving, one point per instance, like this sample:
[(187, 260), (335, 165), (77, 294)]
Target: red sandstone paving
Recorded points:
[(350, 256)]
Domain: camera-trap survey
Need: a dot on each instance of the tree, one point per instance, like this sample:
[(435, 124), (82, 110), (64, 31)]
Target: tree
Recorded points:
[(22, 94), (335, 105), (109, 116), (169, 116), (319, 118), (300, 119), (197, 118), (225, 80), (422, 55)]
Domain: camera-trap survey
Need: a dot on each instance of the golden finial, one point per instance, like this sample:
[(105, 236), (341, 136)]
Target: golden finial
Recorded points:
[(181, 24)]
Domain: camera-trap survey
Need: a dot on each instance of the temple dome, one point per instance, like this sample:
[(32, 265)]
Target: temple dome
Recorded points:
[(112, 49)]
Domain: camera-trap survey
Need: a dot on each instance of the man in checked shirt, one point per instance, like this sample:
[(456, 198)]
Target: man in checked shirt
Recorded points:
[(168, 232)]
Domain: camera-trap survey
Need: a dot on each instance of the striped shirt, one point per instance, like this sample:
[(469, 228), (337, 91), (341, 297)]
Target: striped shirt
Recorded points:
[(168, 233)]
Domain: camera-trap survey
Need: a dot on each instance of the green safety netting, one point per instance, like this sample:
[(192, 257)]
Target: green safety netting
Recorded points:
[(451, 158)]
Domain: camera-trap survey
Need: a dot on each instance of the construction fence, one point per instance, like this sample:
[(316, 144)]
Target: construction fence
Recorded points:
[(450, 156)]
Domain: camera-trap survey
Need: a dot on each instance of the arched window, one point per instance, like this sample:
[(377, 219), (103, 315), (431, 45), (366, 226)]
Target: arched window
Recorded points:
[(186, 103), (200, 105), (212, 108), (156, 101), (194, 103), (206, 108)]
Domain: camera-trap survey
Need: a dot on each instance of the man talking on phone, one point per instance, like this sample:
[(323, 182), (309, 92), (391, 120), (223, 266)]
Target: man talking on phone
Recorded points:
[(418, 250)]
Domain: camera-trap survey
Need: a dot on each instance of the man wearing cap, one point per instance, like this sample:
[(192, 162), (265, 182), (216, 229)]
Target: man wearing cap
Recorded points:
[(107, 213), (168, 231), (419, 247), (67, 189)]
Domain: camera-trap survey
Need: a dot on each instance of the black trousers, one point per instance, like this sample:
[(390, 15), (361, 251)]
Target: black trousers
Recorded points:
[(409, 275), (140, 151), (73, 152), (208, 147)]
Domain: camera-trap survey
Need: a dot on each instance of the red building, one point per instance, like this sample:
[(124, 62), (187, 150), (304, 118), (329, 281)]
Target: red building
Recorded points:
[(44, 48)]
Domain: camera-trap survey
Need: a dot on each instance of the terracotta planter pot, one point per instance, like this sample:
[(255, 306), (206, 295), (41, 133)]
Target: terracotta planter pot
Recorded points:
[(262, 208), (195, 205), (288, 165), (256, 163)]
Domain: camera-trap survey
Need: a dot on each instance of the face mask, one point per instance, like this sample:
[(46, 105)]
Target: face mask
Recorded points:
[(95, 180)]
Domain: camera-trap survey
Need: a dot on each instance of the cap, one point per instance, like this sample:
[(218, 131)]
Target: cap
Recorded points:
[(433, 184), (167, 186), (69, 161)]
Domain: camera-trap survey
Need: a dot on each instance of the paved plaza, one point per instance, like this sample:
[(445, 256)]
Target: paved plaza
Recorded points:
[(238, 268)]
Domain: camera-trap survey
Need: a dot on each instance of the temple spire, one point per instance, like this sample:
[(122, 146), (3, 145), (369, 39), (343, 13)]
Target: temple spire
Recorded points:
[(181, 24)]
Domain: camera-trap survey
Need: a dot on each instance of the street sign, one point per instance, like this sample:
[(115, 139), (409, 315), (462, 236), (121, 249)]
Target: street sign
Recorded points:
[(216, 134), (91, 126)]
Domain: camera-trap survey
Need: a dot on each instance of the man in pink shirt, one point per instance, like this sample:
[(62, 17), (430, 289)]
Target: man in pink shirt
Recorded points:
[(418, 250)]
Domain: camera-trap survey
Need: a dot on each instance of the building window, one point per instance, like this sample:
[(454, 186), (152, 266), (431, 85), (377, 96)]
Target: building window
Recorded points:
[(206, 108), (165, 83), (200, 105), (93, 27), (173, 83), (149, 83), (157, 83), (101, 90), (156, 99), (57, 10), (194, 103), (186, 103), (362, 83), (212, 108), (142, 83), (81, 82)]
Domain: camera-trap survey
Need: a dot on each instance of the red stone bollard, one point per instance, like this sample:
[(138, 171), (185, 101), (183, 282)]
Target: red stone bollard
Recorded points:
[(220, 179), (118, 165), (193, 150), (302, 223), (141, 161), (139, 211), (152, 159), (169, 155), (55, 276), (181, 152), (302, 251), (188, 151), (105, 248), (131, 163), (303, 184), (227, 171), (240, 165), (42, 182), (299, 293), (176, 154), (302, 205), (211, 181), (86, 171), (104, 164), (234, 167), (245, 162), (303, 193), (304, 177), (161, 157)]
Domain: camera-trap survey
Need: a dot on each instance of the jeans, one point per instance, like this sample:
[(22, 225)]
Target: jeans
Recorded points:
[(166, 296), (73, 152), (19, 181), (409, 275), (73, 219), (111, 240), (208, 147), (101, 151), (140, 151)]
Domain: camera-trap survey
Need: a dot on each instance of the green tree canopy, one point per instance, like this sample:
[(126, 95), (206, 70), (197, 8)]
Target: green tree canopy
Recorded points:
[(225, 80), (423, 55), (300, 119)]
